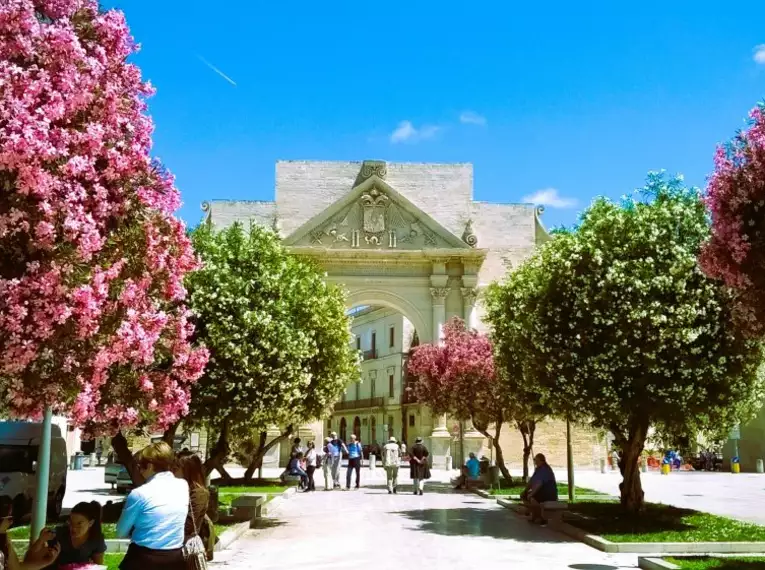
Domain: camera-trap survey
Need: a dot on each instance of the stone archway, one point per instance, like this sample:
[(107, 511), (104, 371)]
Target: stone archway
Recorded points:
[(343, 435), (391, 300), (357, 427)]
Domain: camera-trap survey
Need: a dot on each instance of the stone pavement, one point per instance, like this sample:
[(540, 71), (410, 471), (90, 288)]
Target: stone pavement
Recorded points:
[(442, 529), (739, 496)]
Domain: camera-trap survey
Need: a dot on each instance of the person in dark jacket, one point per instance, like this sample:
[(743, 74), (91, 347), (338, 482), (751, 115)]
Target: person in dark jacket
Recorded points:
[(419, 470)]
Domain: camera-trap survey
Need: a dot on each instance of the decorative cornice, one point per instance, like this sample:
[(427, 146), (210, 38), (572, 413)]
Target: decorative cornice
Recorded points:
[(207, 209), (468, 236)]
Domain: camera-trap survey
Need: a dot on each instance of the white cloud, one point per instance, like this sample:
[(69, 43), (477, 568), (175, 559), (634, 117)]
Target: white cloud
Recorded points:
[(472, 118), (759, 54), (549, 197), (407, 132)]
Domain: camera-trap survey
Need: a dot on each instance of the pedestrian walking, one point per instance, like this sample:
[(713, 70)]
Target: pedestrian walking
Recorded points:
[(336, 449), (326, 464), (310, 465), (391, 462), (419, 470), (355, 454)]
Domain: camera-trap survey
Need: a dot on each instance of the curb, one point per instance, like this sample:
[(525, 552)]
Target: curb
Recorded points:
[(655, 564), (600, 543)]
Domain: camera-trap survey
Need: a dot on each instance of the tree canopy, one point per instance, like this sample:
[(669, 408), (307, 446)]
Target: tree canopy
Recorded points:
[(92, 260), (735, 250), (624, 331), (279, 338)]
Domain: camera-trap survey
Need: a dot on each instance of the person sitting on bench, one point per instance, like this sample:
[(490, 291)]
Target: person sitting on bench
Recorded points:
[(296, 470), (540, 489), (471, 471)]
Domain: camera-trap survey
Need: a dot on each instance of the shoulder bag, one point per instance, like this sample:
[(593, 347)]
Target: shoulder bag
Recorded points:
[(194, 550)]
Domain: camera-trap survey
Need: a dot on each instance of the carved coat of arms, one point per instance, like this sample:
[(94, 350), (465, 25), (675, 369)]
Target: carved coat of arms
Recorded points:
[(374, 204)]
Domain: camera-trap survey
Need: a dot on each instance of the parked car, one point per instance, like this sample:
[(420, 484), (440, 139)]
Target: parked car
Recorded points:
[(19, 445), (112, 469), (124, 483)]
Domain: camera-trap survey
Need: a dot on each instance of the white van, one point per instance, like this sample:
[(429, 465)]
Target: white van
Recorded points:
[(19, 443)]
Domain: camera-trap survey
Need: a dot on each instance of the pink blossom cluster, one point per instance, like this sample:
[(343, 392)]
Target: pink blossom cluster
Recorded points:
[(457, 375), (92, 259), (736, 201)]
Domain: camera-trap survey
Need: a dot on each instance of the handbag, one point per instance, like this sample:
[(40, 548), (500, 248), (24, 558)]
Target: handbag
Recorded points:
[(194, 550)]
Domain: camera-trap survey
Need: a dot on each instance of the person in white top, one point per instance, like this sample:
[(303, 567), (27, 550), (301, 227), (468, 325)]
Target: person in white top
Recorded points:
[(391, 462), (310, 462)]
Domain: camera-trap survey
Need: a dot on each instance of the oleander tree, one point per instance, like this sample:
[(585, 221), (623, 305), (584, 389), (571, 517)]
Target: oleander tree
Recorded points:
[(735, 199), (458, 377), (92, 260), (510, 324), (279, 341), (626, 332)]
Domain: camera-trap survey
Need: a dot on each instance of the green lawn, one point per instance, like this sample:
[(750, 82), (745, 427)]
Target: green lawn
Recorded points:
[(661, 523), (22, 532), (710, 562), (112, 561), (562, 491)]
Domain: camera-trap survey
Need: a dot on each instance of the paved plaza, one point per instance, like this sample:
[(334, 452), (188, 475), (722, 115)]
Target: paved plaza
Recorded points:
[(442, 529)]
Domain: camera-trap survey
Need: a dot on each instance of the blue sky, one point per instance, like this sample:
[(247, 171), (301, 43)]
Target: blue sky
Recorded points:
[(554, 98)]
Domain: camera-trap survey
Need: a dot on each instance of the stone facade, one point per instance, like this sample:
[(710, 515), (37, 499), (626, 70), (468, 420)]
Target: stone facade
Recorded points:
[(407, 237)]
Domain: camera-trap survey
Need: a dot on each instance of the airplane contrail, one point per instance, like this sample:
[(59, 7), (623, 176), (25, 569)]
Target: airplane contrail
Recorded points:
[(216, 70)]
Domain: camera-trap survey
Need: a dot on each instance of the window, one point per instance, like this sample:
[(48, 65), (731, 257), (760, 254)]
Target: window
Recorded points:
[(391, 386), (411, 421), (373, 382), (358, 390), (358, 343), (374, 344), (329, 424), (392, 337), (390, 426)]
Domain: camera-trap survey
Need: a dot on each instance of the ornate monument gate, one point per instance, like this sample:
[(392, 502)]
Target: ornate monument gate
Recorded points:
[(405, 236)]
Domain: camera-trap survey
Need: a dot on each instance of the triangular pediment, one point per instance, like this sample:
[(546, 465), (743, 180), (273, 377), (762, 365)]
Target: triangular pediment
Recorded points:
[(374, 216)]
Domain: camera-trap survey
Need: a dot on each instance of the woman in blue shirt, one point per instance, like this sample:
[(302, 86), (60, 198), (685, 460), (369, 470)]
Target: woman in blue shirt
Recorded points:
[(155, 513)]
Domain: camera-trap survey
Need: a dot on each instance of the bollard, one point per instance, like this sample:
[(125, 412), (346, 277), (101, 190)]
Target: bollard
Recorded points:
[(760, 468), (665, 468), (602, 465), (643, 466), (448, 463), (372, 460), (735, 467)]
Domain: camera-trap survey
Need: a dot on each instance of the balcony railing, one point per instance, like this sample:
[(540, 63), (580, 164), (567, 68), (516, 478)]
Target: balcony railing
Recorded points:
[(360, 404), (369, 354)]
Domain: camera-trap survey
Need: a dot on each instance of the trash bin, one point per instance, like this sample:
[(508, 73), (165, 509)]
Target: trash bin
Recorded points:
[(665, 468), (494, 477), (760, 468), (735, 466), (79, 461)]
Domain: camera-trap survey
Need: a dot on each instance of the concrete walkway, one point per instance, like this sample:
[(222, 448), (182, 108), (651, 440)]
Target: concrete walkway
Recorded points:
[(442, 529)]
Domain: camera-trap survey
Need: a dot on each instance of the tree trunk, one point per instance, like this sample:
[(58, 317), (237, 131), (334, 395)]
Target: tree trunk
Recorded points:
[(125, 457), (631, 489), (169, 435), (500, 457), (527, 429), (219, 455), (257, 458)]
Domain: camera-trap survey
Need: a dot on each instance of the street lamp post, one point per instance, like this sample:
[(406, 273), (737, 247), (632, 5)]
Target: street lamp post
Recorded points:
[(570, 463), (40, 503)]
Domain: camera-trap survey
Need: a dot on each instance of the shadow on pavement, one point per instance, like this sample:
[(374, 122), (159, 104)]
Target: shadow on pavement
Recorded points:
[(407, 489), (266, 523), (593, 567), (492, 523)]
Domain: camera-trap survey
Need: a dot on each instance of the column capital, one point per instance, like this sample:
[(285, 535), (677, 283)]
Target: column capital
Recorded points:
[(439, 294), (469, 295)]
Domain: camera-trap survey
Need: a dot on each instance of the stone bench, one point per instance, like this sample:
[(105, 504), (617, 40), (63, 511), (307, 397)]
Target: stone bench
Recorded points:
[(287, 478), (553, 510), (248, 507)]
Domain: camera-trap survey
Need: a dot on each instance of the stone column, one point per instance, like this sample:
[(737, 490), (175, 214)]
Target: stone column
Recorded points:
[(439, 311), (469, 296), (272, 457), (440, 444)]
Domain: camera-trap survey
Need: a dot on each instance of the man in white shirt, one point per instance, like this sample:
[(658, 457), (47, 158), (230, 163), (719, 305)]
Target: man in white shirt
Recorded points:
[(391, 462)]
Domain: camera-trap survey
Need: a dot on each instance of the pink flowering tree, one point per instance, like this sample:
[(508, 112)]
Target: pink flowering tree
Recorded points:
[(735, 252), (92, 260), (458, 377)]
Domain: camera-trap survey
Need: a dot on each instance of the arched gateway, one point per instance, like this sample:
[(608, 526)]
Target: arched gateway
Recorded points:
[(408, 237)]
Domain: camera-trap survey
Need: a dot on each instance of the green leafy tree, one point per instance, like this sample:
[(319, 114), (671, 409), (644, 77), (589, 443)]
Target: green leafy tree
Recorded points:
[(506, 312), (278, 336), (625, 331)]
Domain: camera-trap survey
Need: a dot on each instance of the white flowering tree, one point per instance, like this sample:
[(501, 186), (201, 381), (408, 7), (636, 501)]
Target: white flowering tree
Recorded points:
[(623, 330), (278, 336)]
